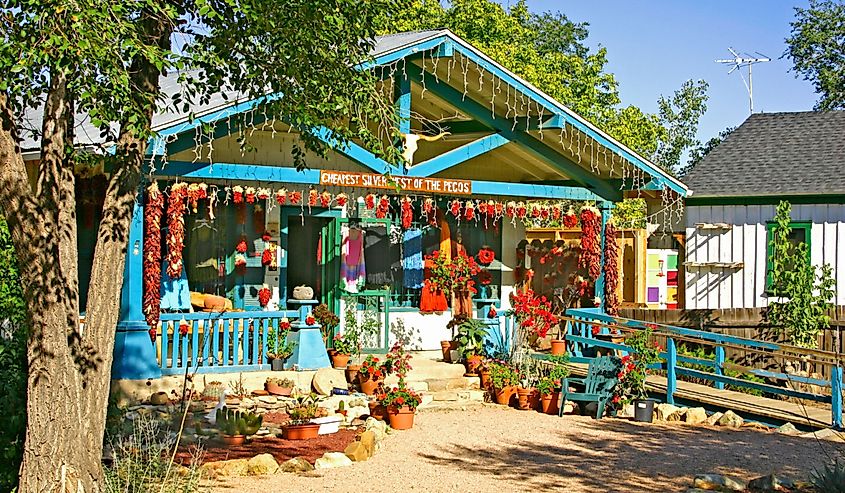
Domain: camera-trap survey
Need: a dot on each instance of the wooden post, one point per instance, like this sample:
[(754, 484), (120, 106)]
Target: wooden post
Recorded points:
[(836, 396), (671, 378), (719, 368)]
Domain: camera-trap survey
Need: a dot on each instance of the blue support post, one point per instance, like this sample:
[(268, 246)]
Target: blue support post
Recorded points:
[(719, 366), (309, 352), (606, 209), (134, 352), (836, 396), (671, 377)]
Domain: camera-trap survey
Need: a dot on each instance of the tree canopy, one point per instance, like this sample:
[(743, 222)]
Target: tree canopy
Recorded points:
[(816, 47)]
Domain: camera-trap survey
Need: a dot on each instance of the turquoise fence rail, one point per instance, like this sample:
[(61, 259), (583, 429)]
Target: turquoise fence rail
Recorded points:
[(216, 342), (589, 330)]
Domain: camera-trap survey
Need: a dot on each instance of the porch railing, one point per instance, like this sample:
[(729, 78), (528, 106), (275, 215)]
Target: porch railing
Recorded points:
[(216, 342), (587, 329)]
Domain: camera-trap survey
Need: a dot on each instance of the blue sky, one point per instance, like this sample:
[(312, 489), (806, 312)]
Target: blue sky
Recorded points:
[(654, 46)]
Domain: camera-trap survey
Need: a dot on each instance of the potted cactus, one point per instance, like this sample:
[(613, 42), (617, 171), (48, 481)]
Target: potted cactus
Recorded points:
[(300, 425), (236, 425), (279, 386), (278, 348)]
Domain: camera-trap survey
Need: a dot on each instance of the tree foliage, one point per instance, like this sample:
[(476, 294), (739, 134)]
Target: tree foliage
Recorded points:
[(679, 117), (698, 153), (816, 47), (804, 291)]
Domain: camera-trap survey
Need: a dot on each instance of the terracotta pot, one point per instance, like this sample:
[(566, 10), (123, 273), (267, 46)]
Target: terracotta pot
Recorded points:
[(369, 385), (401, 418), (446, 347), (472, 364), (276, 389), (301, 432), (526, 398), (340, 360), (352, 373), (558, 347), (534, 400), (548, 403), (503, 396), (234, 440), (330, 351), (485, 379), (377, 411)]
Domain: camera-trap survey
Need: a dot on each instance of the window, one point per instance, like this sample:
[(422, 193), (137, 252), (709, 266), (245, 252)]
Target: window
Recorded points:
[(800, 234)]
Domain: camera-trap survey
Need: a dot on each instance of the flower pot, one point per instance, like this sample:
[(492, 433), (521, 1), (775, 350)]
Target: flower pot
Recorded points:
[(401, 418), (549, 403), (340, 360), (277, 364), (328, 424), (503, 396), (368, 385), (534, 399), (644, 410), (301, 432), (330, 351), (234, 440), (445, 347), (275, 389), (377, 410), (526, 398), (352, 373), (485, 379), (472, 363), (558, 347)]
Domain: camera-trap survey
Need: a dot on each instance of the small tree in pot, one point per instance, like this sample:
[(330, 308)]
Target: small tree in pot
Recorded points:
[(278, 347), (633, 371)]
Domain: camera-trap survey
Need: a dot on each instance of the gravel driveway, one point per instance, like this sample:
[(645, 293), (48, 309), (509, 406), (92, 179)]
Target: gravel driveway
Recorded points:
[(505, 450)]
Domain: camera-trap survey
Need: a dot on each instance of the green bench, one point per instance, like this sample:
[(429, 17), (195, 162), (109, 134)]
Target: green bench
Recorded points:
[(598, 384)]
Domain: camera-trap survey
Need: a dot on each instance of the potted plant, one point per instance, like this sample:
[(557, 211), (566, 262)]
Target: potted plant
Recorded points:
[(471, 334), (371, 374), (278, 347), (401, 404), (484, 375), (549, 386), (503, 377), (300, 426), (327, 319), (350, 322), (633, 371), (341, 408), (558, 343), (527, 394), (344, 345), (237, 425), (279, 386)]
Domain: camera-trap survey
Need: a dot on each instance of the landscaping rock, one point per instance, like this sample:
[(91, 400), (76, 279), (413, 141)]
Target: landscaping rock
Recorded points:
[(368, 440), (677, 415), (379, 428), (695, 416), (331, 460), (261, 465), (225, 468), (267, 399), (663, 411), (296, 465), (159, 399), (357, 452), (718, 482), (826, 434), (770, 483), (326, 379), (730, 419), (714, 418), (788, 429)]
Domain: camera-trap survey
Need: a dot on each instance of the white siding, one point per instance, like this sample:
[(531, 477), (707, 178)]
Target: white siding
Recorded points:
[(716, 287)]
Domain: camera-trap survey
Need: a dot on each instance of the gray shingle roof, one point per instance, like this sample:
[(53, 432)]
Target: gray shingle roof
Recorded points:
[(776, 154)]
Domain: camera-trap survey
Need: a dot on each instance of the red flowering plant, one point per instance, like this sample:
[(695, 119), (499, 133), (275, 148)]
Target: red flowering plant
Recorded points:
[(532, 312), (398, 361), (400, 396), (635, 367), (372, 368), (440, 273), (462, 268)]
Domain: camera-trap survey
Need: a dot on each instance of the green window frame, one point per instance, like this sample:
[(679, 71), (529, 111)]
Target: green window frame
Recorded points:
[(806, 226)]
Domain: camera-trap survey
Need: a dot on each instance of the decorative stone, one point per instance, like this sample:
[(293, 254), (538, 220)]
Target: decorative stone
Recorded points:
[(261, 465), (695, 416), (159, 399), (260, 392), (677, 415), (663, 411), (718, 482), (714, 418), (225, 468), (247, 402), (326, 379), (787, 429), (356, 451), (368, 440), (766, 484), (379, 428), (730, 419), (296, 465), (331, 460)]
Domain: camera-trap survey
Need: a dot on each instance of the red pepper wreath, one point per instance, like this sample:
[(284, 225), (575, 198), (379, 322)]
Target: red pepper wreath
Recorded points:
[(152, 257), (176, 229), (486, 256), (264, 296)]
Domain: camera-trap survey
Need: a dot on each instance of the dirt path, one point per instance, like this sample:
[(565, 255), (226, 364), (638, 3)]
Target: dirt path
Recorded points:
[(492, 449)]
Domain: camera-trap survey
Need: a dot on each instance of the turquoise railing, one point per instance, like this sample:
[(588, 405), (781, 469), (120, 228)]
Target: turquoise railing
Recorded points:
[(216, 342), (586, 329)]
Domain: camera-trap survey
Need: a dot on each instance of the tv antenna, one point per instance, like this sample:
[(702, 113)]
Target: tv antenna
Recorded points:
[(745, 60)]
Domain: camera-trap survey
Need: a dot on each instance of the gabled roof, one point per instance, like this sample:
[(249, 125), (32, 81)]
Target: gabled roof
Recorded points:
[(771, 154)]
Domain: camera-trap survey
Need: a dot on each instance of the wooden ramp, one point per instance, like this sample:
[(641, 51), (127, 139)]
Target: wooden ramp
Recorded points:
[(766, 410)]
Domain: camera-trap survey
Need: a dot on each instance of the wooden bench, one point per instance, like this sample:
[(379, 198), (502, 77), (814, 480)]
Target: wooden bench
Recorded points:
[(598, 384)]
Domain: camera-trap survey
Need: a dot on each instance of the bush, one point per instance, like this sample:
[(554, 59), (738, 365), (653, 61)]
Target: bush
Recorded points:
[(831, 479), (13, 363)]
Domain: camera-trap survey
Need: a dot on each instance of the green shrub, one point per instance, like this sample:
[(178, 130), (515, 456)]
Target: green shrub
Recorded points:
[(831, 479)]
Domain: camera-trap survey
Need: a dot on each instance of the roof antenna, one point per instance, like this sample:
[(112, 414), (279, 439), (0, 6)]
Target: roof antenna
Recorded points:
[(739, 61)]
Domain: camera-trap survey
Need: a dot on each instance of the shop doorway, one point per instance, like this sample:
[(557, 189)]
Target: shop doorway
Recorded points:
[(310, 255)]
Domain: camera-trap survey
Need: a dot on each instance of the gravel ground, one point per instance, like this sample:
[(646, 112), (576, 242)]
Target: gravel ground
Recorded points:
[(505, 450)]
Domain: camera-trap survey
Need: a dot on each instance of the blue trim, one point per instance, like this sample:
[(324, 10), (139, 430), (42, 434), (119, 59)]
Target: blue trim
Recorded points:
[(354, 152), (420, 47), (605, 208), (458, 155)]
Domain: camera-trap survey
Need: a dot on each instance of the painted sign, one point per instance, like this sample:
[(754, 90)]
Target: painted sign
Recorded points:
[(406, 183)]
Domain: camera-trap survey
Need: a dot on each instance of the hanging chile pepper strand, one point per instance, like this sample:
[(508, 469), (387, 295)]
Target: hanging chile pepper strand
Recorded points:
[(152, 257), (611, 270), (590, 242), (176, 229)]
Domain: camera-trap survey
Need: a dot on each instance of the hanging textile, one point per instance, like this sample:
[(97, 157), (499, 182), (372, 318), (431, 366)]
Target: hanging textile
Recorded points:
[(412, 259), (396, 269), (377, 255), (352, 264), (432, 298), (445, 237)]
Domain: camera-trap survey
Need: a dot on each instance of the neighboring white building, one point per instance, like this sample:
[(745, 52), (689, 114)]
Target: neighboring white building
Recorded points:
[(797, 157)]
